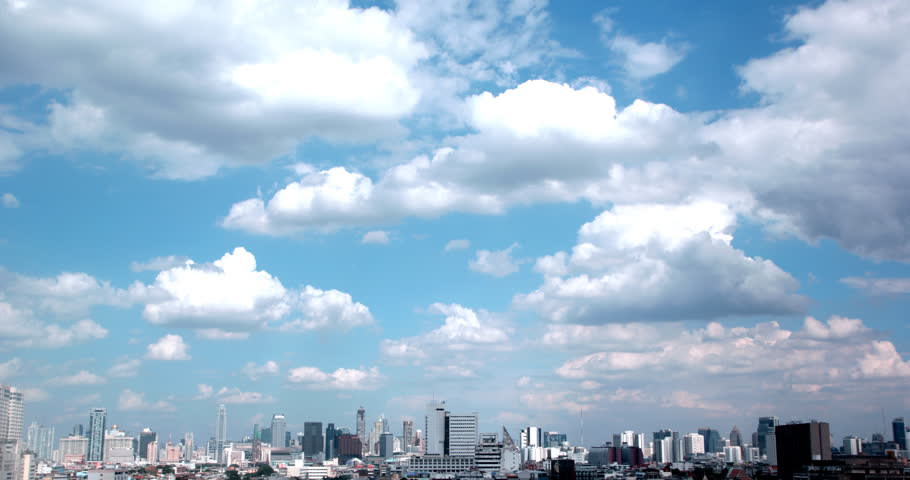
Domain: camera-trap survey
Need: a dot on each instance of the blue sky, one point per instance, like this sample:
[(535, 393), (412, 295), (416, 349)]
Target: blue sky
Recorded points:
[(691, 214)]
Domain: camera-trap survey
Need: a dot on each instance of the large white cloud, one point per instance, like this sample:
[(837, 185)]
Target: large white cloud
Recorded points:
[(168, 347), (20, 329), (659, 262), (249, 79), (340, 379), (832, 104), (326, 310), (67, 294)]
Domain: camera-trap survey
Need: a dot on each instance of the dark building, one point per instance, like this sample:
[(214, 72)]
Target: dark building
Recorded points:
[(600, 456), (287, 439), (257, 434), (554, 439), (562, 470), (330, 447), (349, 446), (78, 429), (799, 444), (766, 427), (145, 438), (736, 438), (855, 468), (266, 436), (900, 432), (386, 445), (313, 441), (712, 439)]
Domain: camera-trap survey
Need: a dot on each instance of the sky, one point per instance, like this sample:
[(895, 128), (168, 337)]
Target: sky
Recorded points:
[(585, 216)]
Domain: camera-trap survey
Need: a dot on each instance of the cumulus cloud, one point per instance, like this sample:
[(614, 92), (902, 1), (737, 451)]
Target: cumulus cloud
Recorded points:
[(879, 286), (377, 237), (639, 60), (218, 334), (35, 395), (69, 294), (159, 263), (262, 78), (255, 372), (168, 347), (327, 310), (498, 263), (20, 329), (135, 401), (659, 262), (204, 391), (340, 379), (237, 396), (83, 377), (457, 244), (9, 200), (10, 368)]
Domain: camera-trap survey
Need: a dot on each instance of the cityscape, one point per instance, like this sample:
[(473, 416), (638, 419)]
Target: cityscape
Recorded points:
[(454, 239), (441, 444)]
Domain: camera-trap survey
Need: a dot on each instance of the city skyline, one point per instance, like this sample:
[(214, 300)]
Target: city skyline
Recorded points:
[(547, 213)]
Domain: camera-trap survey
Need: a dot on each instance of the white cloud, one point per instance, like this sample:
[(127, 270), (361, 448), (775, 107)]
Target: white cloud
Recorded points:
[(236, 396), (135, 401), (254, 372), (659, 262), (645, 60), (229, 294), (327, 310), (83, 377), (340, 379), (879, 286), (498, 263), (377, 237), (218, 334), (883, 361), (837, 327), (159, 263), (68, 294), (204, 392), (19, 329), (168, 347), (457, 244), (10, 368), (9, 200), (695, 401), (124, 368), (35, 395), (262, 77)]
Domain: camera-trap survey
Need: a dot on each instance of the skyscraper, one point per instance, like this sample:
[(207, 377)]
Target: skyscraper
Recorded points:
[(188, 446), (712, 438), (736, 438), (330, 435), (97, 422), (407, 431), (40, 440), (386, 444), (462, 434), (899, 432), (765, 426), (313, 441), (435, 428), (146, 436), (279, 430), (800, 443), (361, 423), (12, 413), (220, 433), (852, 445), (257, 434), (531, 437)]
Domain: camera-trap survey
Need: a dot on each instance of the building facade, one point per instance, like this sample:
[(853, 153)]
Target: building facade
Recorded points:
[(97, 423)]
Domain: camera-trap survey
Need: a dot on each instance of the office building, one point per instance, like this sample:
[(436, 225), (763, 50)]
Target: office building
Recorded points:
[(9, 458), (766, 426), (670, 450), (899, 432), (152, 453), (435, 428), (852, 445), (118, 447), (188, 446), (736, 438), (554, 439), (78, 430), (531, 437), (220, 433), (257, 433), (28, 464), (349, 447), (361, 423), (693, 445), (407, 433), (433, 465), (752, 454), (73, 449), (386, 445), (146, 436), (462, 434), (279, 430), (712, 439), (562, 470), (313, 440), (40, 440), (97, 424), (330, 441), (798, 444), (733, 454), (12, 413)]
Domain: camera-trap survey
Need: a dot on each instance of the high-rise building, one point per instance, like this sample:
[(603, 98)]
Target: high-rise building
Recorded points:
[(97, 423), (765, 426), (373, 440), (407, 432), (257, 434), (531, 437), (220, 433), (40, 440), (435, 428), (853, 445), (736, 438), (12, 413), (798, 444), (118, 447), (712, 439), (673, 447), (386, 444), (349, 446), (188, 446), (733, 454), (146, 436), (78, 430), (330, 441), (361, 423), (313, 440), (73, 449), (279, 430), (462, 434), (554, 439), (899, 432), (693, 444)]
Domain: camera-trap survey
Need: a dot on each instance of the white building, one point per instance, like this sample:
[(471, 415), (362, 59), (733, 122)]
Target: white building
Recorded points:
[(28, 466), (853, 445), (753, 454), (439, 464), (118, 448), (12, 413), (693, 444), (463, 434), (107, 474), (73, 449), (531, 437), (663, 450), (435, 428), (733, 455), (771, 449), (9, 460)]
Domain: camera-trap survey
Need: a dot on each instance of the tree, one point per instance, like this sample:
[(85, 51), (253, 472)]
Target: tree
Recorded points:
[(232, 475)]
